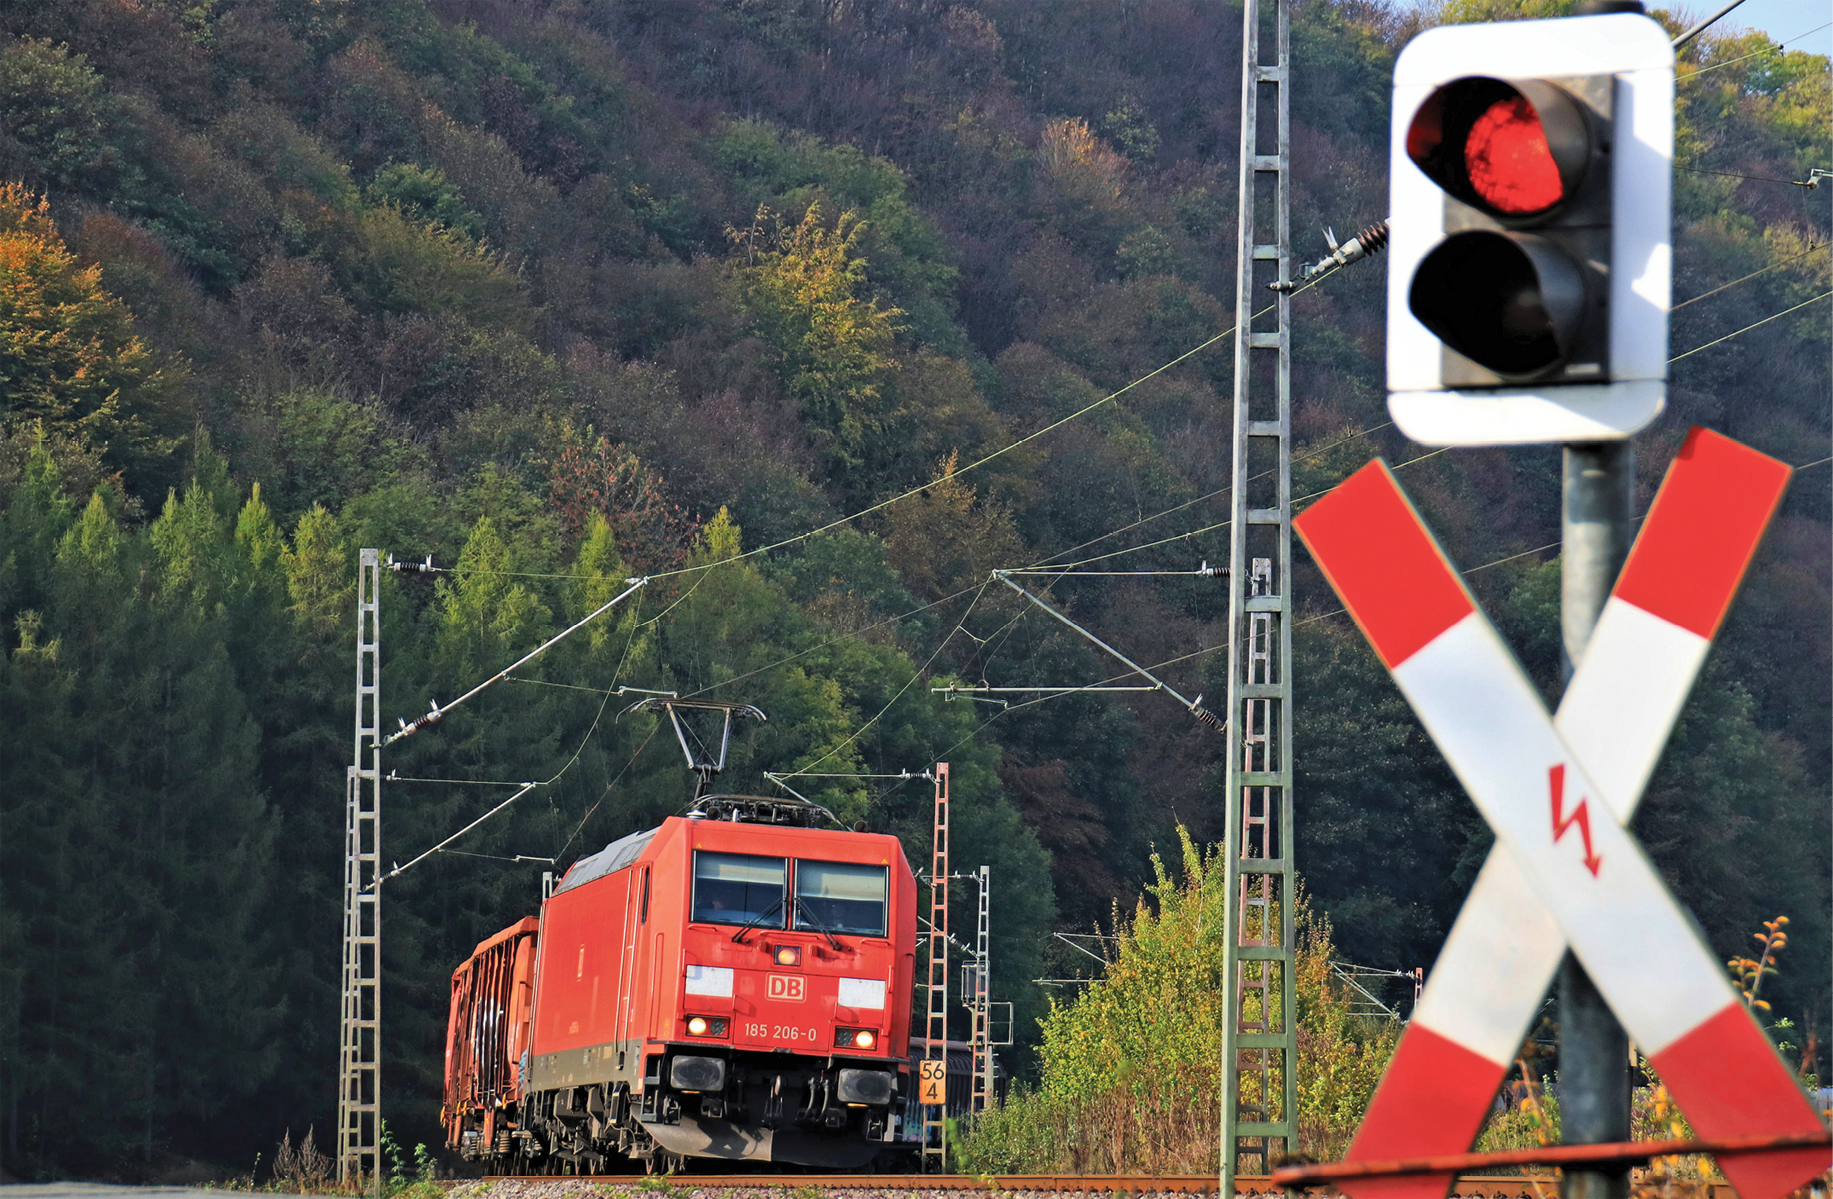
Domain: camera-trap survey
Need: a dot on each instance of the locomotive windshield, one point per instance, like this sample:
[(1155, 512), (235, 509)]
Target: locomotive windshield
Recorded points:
[(738, 888), (841, 897)]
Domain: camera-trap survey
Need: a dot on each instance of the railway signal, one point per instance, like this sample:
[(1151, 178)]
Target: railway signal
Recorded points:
[(1529, 201), (1557, 791)]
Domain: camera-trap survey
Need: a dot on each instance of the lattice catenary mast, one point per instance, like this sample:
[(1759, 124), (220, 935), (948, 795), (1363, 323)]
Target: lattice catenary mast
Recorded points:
[(980, 999), (935, 1029), (359, 1094), (1259, 1036)]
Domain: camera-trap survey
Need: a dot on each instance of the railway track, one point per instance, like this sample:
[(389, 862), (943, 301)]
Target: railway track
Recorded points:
[(1473, 1187)]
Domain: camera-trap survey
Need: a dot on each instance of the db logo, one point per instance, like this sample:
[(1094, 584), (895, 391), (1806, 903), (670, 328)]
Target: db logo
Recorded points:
[(788, 986)]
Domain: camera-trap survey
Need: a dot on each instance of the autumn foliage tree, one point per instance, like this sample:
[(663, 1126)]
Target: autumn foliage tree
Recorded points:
[(505, 284), (69, 356), (597, 477), (947, 536), (802, 286)]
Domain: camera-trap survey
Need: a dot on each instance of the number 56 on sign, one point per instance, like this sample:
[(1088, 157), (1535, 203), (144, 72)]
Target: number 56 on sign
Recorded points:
[(932, 1081)]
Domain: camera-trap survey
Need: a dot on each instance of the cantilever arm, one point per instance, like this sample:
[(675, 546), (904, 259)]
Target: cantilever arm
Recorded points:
[(1194, 706)]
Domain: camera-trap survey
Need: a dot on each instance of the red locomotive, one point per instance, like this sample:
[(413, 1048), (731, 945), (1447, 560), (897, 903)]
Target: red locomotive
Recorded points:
[(734, 984)]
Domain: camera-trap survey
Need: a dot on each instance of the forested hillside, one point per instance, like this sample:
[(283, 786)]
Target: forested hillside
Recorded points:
[(564, 291)]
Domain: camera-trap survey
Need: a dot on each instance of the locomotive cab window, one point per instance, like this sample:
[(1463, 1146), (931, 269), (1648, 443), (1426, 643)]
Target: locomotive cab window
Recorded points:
[(739, 888), (841, 897)]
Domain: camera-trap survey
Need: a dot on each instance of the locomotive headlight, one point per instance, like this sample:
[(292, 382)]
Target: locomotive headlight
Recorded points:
[(865, 1038), (789, 955), (697, 1025), (705, 1026), (854, 1038)]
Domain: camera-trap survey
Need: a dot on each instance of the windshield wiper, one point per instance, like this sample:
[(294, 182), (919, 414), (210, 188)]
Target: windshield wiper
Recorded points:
[(758, 921), (831, 938)]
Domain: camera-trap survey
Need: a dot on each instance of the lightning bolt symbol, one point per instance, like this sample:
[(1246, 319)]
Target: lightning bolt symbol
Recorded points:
[(1581, 816)]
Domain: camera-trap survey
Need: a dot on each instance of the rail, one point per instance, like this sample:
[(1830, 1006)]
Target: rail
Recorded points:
[(1473, 1187), (1622, 1153)]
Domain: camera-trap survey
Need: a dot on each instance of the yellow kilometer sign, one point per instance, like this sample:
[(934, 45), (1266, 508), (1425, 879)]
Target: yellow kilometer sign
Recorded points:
[(932, 1081)]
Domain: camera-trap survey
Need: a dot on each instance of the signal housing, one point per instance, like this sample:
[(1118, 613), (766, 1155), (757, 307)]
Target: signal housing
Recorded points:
[(1519, 291), (1529, 272)]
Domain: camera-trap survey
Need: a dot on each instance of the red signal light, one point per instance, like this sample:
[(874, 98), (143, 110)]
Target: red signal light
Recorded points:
[(1507, 159), (1517, 149)]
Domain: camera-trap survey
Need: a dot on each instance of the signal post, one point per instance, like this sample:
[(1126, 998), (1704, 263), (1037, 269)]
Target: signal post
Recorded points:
[(1527, 299)]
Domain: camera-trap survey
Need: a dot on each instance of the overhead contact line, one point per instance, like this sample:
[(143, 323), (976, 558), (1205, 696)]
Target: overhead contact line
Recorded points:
[(1765, 270), (1747, 328)]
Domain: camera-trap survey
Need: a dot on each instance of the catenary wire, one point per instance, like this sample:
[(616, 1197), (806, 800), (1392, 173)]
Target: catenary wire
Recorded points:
[(921, 487), (527, 787), (703, 569), (1752, 178), (899, 694), (917, 611), (1540, 549), (787, 658), (394, 778), (1753, 54), (1067, 567), (1208, 649), (1323, 616), (1747, 328), (1772, 266), (615, 779), (1146, 520), (497, 857), (1005, 629), (1211, 649)]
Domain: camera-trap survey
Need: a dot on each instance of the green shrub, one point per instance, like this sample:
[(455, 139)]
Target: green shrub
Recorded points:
[(1131, 1079)]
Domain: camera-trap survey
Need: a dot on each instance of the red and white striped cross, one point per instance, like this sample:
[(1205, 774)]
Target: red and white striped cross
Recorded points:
[(1559, 791)]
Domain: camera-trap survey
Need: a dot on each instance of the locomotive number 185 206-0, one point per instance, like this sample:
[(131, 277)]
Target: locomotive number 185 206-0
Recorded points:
[(782, 1032)]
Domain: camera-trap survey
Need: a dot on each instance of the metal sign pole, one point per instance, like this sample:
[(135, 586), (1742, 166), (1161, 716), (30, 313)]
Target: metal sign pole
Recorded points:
[(1599, 486)]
